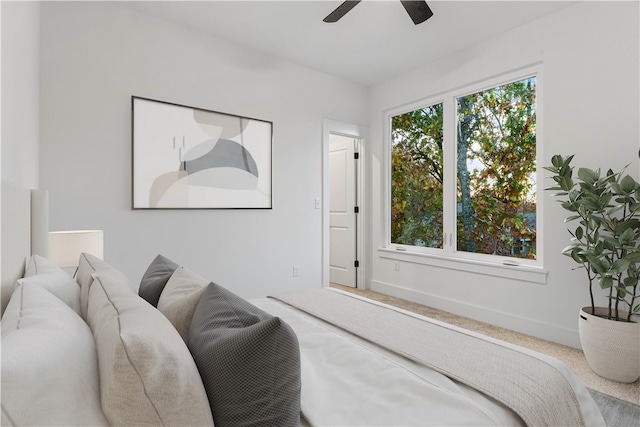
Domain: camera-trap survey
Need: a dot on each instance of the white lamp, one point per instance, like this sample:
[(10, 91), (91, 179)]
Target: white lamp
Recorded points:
[(65, 247)]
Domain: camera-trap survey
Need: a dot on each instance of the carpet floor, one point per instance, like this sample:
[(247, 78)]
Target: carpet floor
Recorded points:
[(572, 357)]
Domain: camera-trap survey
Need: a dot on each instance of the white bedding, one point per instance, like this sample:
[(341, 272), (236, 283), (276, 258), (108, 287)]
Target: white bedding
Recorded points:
[(339, 365)]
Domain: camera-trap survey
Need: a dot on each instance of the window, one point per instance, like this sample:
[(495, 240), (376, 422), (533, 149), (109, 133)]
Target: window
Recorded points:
[(417, 178), (463, 173)]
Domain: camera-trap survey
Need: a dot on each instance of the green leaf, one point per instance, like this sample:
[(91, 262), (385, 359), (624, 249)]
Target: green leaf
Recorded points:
[(566, 183), (599, 248), (580, 259), (606, 282), (579, 233), (588, 176), (610, 242), (571, 207), (622, 292), (627, 236), (619, 266), (628, 185), (630, 224), (633, 257), (597, 264), (557, 161)]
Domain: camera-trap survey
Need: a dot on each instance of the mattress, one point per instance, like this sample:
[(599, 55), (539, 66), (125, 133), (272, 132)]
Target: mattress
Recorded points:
[(349, 381)]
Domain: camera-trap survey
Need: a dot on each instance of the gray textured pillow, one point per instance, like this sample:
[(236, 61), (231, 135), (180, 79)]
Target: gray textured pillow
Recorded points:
[(155, 278), (249, 361)]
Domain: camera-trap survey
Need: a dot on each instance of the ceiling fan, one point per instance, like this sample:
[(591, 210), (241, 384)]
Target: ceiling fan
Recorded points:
[(418, 10)]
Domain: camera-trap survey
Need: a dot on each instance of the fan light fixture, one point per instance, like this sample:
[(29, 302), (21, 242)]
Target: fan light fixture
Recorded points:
[(418, 10)]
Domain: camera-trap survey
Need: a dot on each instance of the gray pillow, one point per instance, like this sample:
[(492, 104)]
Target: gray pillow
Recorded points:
[(249, 361), (155, 278)]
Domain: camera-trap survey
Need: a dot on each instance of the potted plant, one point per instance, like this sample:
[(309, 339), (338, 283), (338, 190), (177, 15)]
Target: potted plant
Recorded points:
[(605, 240)]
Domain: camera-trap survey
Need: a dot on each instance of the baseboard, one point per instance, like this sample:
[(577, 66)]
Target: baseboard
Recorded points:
[(511, 321)]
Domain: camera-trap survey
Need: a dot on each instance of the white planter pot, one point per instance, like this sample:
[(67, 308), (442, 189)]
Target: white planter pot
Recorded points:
[(612, 348)]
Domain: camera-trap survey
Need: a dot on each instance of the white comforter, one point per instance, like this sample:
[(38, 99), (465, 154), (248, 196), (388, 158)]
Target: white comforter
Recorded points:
[(347, 381)]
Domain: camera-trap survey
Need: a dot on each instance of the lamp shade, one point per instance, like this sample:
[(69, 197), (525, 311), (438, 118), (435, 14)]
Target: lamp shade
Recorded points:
[(65, 247)]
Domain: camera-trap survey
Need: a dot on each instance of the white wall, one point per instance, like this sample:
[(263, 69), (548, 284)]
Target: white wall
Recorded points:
[(590, 55), (20, 92), (94, 56)]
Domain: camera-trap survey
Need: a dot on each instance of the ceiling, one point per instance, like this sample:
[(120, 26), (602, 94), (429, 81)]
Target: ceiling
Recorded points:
[(374, 42)]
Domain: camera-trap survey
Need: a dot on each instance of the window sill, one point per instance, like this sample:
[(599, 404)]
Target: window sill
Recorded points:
[(524, 273)]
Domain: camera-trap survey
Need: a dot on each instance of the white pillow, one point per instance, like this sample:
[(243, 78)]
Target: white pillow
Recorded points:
[(46, 274), (41, 265), (147, 374), (48, 362), (87, 265), (180, 297)]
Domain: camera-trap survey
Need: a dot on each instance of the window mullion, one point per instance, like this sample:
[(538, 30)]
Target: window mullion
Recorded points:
[(449, 184)]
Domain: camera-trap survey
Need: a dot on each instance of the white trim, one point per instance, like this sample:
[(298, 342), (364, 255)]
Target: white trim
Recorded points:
[(359, 133), (488, 267), (448, 98), (499, 318)]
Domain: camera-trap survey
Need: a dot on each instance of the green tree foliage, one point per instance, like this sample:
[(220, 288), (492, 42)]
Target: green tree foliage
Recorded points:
[(496, 164), (504, 145), (417, 176)]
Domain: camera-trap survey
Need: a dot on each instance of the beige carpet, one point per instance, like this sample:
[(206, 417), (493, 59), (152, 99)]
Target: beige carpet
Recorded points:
[(572, 357)]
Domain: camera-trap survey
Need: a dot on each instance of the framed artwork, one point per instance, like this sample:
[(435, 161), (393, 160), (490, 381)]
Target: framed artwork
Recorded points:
[(191, 158)]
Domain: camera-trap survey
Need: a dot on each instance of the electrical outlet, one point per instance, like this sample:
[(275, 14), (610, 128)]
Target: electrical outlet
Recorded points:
[(396, 265), (296, 270)]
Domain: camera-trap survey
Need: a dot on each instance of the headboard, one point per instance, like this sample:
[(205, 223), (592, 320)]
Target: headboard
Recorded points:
[(25, 226)]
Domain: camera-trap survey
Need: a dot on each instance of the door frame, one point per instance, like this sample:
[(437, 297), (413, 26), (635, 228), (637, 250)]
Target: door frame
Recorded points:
[(359, 133)]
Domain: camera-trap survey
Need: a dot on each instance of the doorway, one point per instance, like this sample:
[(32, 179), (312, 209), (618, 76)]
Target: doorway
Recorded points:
[(330, 130), (343, 210)]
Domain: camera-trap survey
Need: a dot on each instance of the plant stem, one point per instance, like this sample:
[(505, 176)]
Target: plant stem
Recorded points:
[(617, 313), (633, 301), (593, 304), (610, 298)]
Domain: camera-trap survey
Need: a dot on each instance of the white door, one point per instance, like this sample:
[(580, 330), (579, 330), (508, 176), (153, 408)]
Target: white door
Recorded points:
[(342, 214)]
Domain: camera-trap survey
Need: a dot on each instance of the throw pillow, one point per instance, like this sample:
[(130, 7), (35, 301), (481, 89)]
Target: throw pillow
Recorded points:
[(48, 362), (46, 274), (155, 278), (249, 361), (180, 297), (87, 266), (147, 375)]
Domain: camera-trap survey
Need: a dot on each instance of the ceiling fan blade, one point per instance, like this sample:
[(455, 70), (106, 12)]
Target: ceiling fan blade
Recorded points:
[(418, 10), (341, 10)]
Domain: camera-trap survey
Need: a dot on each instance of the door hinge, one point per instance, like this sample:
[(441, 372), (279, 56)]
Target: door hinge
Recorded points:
[(356, 263), (356, 155), (356, 209)]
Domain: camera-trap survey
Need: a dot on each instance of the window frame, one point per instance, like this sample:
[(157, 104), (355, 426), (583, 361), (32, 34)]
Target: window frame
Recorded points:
[(448, 254)]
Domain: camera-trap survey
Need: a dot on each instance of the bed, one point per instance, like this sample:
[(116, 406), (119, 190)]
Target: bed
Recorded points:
[(173, 348)]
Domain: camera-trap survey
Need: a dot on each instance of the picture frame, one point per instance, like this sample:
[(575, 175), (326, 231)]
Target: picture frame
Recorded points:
[(192, 158)]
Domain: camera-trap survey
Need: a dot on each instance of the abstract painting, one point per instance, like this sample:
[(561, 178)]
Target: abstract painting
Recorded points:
[(191, 158)]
